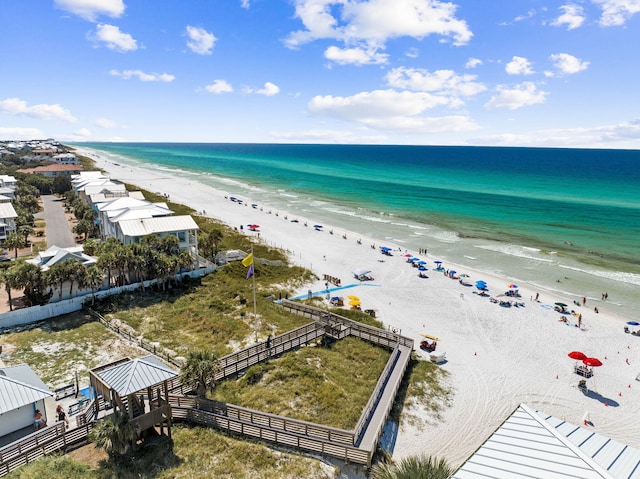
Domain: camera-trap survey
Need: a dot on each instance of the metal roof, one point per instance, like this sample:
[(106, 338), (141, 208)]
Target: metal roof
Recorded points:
[(163, 224), (7, 211), (136, 375), (620, 460), (527, 445), (20, 386)]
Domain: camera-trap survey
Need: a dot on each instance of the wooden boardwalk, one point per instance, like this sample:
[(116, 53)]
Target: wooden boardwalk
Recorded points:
[(356, 446)]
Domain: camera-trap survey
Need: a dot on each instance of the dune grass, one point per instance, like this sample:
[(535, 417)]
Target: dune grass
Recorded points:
[(327, 385)]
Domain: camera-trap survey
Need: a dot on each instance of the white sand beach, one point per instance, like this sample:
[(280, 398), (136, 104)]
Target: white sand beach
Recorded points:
[(497, 357)]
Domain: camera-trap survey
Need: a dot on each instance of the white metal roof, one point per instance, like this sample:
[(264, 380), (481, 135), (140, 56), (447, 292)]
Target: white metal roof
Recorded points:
[(7, 211), (122, 202), (162, 224), (20, 386), (620, 460), (136, 375), (527, 446)]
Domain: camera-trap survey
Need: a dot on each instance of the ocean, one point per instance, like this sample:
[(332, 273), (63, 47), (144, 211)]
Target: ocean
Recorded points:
[(566, 220)]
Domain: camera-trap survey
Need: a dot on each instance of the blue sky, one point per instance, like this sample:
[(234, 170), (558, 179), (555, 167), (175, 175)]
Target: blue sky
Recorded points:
[(422, 72)]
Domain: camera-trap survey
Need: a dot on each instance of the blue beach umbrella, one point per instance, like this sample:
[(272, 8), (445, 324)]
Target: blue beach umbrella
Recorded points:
[(438, 262), (633, 323)]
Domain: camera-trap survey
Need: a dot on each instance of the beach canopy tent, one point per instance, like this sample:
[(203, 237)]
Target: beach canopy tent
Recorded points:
[(533, 444), (592, 362), (577, 355), (362, 274), (318, 227), (21, 393)]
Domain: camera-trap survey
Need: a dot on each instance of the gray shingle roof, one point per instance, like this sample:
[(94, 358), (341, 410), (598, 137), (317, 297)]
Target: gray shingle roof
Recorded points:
[(136, 375)]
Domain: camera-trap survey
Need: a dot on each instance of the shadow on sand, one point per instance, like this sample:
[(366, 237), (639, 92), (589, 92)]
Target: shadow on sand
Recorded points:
[(599, 397)]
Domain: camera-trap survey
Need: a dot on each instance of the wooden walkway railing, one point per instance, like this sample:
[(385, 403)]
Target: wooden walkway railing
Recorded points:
[(40, 443), (278, 436)]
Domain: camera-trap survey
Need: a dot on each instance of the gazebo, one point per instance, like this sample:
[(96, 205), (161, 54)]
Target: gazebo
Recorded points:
[(137, 387)]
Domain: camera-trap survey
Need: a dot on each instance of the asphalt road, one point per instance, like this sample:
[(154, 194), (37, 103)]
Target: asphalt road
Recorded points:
[(56, 226)]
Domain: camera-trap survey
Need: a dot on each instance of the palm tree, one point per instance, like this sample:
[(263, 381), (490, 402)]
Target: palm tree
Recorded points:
[(106, 262), (114, 435), (199, 371), (36, 284), (58, 274), (26, 230), (93, 277), (8, 278), (14, 241), (74, 269), (413, 467)]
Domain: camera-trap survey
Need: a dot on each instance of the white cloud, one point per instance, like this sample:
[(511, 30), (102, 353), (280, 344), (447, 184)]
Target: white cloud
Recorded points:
[(356, 56), (269, 89), (445, 82), (18, 133), (472, 63), (368, 25), (114, 39), (91, 9), (519, 66), (142, 76), (219, 86), (391, 110), (572, 16), (82, 133), (525, 94), (106, 123), (200, 40), (568, 64), (617, 12), (43, 111), (245, 4)]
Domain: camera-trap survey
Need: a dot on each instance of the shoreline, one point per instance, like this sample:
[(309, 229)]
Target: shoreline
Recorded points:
[(497, 357)]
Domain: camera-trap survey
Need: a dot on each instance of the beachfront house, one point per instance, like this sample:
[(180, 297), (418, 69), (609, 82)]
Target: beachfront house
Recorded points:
[(8, 217), (21, 393), (110, 213), (182, 227)]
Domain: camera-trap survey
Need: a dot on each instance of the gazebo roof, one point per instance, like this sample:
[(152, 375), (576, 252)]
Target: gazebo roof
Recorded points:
[(137, 374)]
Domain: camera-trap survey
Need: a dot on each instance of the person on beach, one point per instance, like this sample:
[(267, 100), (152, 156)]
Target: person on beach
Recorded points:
[(584, 301)]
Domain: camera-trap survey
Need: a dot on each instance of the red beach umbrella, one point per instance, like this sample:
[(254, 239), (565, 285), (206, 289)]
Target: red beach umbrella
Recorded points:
[(593, 362), (577, 355)]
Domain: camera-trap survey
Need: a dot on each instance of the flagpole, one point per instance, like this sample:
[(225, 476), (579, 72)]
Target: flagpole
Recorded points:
[(255, 313)]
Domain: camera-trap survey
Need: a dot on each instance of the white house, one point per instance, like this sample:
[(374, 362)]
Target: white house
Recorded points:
[(21, 393), (55, 254), (127, 208), (8, 181), (8, 217), (64, 159), (183, 227)]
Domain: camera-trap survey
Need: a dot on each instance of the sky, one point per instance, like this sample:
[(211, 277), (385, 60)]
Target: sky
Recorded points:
[(413, 72)]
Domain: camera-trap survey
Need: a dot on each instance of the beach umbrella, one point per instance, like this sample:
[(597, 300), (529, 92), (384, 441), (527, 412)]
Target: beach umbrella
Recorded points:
[(438, 262), (318, 227), (253, 226), (452, 272), (577, 355), (562, 305), (353, 302), (422, 262), (351, 296), (464, 275), (633, 323), (593, 362), (361, 271), (512, 286), (481, 283)]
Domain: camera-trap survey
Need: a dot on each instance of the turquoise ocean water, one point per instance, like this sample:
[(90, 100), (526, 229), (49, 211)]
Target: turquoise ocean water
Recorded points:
[(564, 219)]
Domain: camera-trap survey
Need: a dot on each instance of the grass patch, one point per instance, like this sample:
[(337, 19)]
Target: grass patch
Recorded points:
[(58, 348), (215, 312), (327, 385)]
